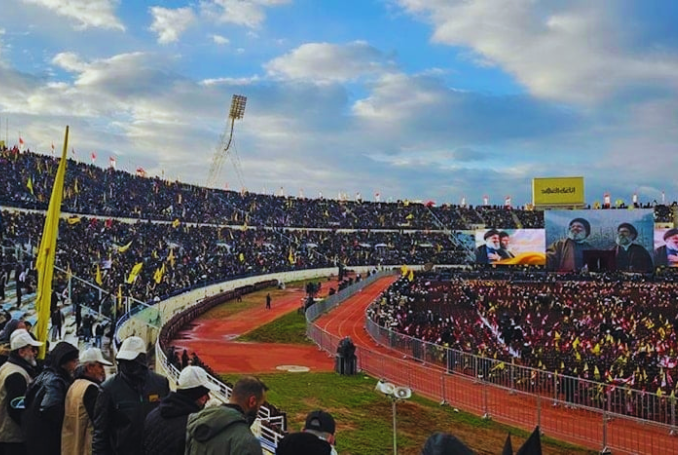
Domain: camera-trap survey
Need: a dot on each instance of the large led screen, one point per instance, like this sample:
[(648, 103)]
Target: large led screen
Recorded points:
[(510, 246), (666, 247), (599, 240)]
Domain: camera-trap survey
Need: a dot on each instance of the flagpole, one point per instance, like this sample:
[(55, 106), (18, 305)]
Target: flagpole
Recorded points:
[(47, 251)]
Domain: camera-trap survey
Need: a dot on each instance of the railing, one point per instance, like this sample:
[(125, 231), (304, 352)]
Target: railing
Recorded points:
[(606, 416), (272, 426), (581, 412), (268, 435)]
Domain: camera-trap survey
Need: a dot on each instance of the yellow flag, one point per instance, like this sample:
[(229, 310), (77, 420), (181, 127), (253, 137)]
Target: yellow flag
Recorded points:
[(404, 270), (29, 185), (98, 278), (159, 272), (73, 220), (170, 258), (120, 296), (47, 251), (76, 189), (410, 276), (290, 257), (134, 272), (241, 257), (122, 249), (176, 223)]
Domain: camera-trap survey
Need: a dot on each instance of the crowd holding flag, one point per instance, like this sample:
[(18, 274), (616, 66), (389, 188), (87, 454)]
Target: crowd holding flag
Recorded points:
[(21, 144), (47, 251), (93, 156), (112, 162)]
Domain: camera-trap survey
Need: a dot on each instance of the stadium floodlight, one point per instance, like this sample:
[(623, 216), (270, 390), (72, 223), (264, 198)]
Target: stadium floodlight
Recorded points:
[(238, 103), (237, 112), (395, 394)]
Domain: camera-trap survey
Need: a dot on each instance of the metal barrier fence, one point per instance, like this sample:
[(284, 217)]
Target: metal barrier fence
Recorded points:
[(268, 436), (581, 412)]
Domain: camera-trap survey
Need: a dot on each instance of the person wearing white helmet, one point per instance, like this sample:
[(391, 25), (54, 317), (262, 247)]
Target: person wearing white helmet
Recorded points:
[(165, 426), (125, 401), (15, 375), (76, 432)]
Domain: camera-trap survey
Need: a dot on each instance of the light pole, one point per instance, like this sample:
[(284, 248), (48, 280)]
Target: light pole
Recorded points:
[(395, 394)]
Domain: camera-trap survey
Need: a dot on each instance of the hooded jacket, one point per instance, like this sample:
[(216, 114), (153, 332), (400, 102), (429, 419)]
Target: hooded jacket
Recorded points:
[(45, 403), (165, 426), (220, 430)]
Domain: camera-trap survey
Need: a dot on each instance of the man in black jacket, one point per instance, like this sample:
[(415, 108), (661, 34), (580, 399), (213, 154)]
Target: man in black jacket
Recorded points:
[(165, 426), (125, 401), (15, 375), (45, 401)]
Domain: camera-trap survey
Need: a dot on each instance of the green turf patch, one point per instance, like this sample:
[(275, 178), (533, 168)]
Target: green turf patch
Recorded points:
[(364, 417), (289, 328)]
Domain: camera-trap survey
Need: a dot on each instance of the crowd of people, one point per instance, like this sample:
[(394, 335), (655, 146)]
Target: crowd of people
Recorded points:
[(27, 178), (609, 328)]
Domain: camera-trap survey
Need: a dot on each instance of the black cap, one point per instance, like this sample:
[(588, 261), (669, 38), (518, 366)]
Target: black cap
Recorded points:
[(630, 227), (584, 223), (320, 421)]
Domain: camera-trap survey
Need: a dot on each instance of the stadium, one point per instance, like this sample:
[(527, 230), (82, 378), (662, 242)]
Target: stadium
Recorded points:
[(586, 354), (417, 227)]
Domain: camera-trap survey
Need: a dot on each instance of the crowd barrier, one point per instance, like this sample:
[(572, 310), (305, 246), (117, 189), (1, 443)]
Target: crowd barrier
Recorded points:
[(595, 415), (599, 415)]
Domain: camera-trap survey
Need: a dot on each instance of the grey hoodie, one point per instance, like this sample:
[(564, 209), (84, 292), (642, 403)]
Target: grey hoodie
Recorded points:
[(220, 430)]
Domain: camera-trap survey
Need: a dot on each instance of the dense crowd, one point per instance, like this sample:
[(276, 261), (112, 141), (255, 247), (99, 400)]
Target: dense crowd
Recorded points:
[(175, 257), (26, 181), (610, 328)]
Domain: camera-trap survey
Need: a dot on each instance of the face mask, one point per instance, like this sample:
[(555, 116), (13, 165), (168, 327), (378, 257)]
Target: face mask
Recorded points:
[(132, 368)]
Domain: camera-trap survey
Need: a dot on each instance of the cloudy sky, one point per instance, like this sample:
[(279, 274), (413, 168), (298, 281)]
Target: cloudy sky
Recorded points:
[(413, 99)]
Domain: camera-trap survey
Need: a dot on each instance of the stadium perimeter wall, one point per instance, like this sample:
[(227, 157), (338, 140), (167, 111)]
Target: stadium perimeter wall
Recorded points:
[(146, 322)]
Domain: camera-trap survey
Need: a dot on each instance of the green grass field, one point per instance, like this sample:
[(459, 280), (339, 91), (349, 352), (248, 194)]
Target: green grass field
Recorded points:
[(290, 328), (364, 417)]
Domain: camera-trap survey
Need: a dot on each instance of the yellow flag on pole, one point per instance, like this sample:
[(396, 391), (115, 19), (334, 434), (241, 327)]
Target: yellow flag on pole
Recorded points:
[(29, 185), (47, 251)]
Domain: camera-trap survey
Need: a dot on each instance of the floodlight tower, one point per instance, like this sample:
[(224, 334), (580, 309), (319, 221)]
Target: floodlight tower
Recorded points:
[(236, 112)]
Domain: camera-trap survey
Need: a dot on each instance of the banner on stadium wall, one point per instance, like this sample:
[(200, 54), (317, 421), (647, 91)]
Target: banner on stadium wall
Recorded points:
[(666, 247), (510, 246), (557, 191), (595, 238)]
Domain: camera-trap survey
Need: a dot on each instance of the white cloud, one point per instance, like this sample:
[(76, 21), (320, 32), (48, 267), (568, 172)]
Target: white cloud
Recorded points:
[(573, 51), (88, 13), (220, 40), (69, 61), (325, 62), (248, 13), (169, 24)]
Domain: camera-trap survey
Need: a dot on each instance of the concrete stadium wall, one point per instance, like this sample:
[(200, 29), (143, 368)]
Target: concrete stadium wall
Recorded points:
[(147, 322)]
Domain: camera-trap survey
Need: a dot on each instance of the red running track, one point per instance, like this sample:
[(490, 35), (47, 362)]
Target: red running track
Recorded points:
[(577, 426), (212, 340)]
